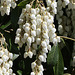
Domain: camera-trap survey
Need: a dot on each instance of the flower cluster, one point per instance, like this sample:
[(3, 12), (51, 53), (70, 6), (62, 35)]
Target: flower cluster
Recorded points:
[(5, 59), (36, 29), (66, 20), (5, 6), (51, 6), (73, 35)]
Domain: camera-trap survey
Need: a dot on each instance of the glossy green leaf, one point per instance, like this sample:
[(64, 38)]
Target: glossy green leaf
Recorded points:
[(53, 56)]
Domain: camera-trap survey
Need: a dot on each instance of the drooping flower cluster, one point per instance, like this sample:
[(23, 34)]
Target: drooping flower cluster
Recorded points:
[(66, 20), (36, 29), (5, 6), (5, 59), (51, 6), (73, 35)]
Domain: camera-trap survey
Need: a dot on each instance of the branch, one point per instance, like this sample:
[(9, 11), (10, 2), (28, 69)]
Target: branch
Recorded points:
[(67, 38)]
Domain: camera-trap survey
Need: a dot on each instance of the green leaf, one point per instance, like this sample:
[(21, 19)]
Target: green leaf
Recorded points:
[(59, 68), (23, 3), (15, 17), (6, 25), (53, 56), (19, 72)]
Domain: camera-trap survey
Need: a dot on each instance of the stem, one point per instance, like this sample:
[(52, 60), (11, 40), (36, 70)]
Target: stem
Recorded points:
[(32, 3), (67, 38)]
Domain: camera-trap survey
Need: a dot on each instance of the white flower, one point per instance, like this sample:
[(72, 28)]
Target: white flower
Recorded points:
[(41, 68), (10, 71), (14, 74), (6, 65), (5, 58), (39, 21), (27, 29), (53, 30), (55, 11), (38, 31), (10, 55), (33, 33), (44, 27), (49, 21), (40, 73), (38, 41), (1, 61), (28, 6), (2, 40), (25, 54), (41, 58), (26, 35), (29, 39), (13, 4), (54, 41), (37, 10), (11, 63), (33, 27), (34, 22), (45, 35), (66, 2), (32, 73), (20, 21), (33, 16), (38, 16), (33, 64), (44, 54), (33, 39), (46, 17), (17, 39), (48, 2), (1, 53), (49, 47), (4, 70), (43, 9), (27, 24), (44, 44), (6, 52), (1, 72), (45, 50), (60, 27), (18, 31), (30, 54), (33, 11), (58, 38)]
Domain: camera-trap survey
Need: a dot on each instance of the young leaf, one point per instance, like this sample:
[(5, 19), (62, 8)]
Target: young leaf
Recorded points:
[(53, 56)]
